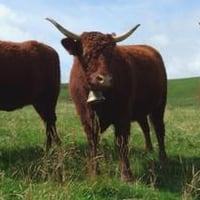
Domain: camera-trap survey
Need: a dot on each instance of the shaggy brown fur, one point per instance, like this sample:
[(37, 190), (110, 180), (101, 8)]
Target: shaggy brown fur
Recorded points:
[(30, 75), (137, 88)]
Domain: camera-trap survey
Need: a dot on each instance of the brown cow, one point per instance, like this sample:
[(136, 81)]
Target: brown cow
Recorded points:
[(30, 75), (132, 79)]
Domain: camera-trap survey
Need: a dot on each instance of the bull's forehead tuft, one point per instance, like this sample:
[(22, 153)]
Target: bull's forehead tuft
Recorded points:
[(93, 34), (96, 37), (96, 40)]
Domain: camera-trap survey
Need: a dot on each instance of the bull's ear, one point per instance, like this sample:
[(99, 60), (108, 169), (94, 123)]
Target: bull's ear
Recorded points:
[(70, 45)]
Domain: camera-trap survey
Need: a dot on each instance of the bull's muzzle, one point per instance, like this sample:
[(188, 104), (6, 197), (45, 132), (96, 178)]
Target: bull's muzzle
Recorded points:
[(98, 83), (101, 81), (104, 81)]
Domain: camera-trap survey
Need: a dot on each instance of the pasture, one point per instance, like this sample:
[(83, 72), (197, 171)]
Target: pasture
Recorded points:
[(26, 174)]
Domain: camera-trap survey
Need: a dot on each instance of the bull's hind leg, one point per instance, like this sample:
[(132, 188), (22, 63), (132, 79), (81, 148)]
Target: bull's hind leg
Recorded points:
[(159, 126), (54, 157), (49, 117), (52, 135), (143, 122)]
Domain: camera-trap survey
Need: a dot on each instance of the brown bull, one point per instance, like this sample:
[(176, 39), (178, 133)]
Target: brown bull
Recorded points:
[(133, 82), (30, 75)]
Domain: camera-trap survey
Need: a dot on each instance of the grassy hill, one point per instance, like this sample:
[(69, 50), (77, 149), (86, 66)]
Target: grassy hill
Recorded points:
[(27, 173), (184, 92), (181, 92)]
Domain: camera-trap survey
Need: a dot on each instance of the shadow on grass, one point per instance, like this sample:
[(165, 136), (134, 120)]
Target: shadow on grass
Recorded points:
[(35, 165), (174, 176), (32, 164), (11, 158), (178, 173)]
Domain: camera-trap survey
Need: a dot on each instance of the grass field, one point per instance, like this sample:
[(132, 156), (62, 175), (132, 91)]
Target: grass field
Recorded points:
[(26, 173)]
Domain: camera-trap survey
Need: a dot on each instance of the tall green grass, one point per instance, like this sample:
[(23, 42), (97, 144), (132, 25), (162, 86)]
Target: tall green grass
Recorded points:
[(27, 173)]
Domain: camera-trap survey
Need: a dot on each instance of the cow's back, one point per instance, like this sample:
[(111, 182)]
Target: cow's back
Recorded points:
[(28, 71)]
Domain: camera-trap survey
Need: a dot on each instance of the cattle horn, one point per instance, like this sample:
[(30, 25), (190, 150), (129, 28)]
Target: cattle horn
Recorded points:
[(125, 35), (67, 33)]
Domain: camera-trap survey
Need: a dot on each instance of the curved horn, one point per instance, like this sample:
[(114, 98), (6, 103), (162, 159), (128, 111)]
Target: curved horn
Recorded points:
[(125, 35), (64, 31)]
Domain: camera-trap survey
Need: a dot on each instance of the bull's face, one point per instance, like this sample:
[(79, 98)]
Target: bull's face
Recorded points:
[(94, 51)]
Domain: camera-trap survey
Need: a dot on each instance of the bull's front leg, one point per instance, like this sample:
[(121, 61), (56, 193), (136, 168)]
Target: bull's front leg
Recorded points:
[(121, 141), (93, 141), (91, 127), (89, 121)]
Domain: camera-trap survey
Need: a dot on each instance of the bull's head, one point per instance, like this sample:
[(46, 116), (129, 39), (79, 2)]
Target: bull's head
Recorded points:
[(94, 51)]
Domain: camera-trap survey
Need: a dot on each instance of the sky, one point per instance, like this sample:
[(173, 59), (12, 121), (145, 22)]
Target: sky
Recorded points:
[(170, 26)]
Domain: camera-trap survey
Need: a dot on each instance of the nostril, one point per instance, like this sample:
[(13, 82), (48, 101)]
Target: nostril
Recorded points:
[(100, 79)]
